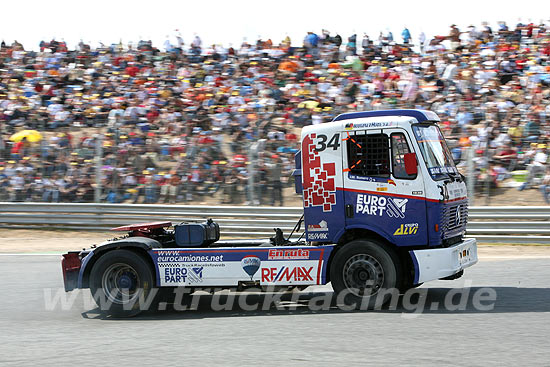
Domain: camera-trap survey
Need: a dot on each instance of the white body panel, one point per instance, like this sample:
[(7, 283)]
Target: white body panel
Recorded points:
[(439, 263)]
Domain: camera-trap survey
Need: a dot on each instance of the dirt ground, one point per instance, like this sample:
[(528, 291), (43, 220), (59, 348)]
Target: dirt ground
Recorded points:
[(37, 241)]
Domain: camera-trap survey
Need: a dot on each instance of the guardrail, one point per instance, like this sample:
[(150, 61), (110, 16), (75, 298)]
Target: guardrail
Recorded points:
[(507, 224)]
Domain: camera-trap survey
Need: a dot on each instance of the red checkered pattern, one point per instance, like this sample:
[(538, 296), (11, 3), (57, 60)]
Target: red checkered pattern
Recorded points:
[(318, 177)]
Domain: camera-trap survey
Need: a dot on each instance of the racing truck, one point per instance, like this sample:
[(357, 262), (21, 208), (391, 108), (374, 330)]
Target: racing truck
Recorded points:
[(384, 208)]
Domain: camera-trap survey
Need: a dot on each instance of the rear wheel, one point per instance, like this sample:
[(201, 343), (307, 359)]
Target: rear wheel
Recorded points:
[(121, 283), (364, 274)]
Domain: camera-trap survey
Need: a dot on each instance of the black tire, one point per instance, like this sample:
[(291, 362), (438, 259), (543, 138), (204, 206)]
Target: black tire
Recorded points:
[(119, 281), (365, 274)]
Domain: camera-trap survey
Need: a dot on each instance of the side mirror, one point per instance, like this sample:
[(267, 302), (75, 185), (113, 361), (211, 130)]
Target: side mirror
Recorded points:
[(411, 166)]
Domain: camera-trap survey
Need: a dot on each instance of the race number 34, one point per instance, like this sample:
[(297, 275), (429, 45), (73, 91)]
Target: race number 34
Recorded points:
[(333, 142)]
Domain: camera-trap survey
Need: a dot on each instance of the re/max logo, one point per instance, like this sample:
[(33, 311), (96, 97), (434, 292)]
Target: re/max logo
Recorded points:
[(296, 274)]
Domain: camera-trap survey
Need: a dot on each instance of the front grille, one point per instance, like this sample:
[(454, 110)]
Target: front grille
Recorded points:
[(454, 218), (448, 242)]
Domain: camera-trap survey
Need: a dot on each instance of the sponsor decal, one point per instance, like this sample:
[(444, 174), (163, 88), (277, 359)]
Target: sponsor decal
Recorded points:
[(183, 275), (250, 265), (191, 265), (397, 207), (321, 227), (177, 256), (417, 192), (319, 188), (406, 229), (195, 275), (381, 189), (365, 178), (369, 179), (287, 274), (317, 236), (456, 193), (378, 205), (440, 170), (292, 254), (370, 204), (244, 264), (363, 125)]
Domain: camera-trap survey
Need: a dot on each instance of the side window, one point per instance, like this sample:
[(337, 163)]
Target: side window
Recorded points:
[(369, 155), (399, 147)]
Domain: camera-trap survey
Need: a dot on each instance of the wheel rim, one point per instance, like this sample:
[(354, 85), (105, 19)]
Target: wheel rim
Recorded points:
[(121, 283), (363, 275)]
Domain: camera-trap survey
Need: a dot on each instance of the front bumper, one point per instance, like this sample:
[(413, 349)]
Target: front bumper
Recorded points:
[(433, 264)]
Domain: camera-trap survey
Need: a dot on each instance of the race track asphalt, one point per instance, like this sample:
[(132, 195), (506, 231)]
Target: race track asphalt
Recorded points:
[(516, 331)]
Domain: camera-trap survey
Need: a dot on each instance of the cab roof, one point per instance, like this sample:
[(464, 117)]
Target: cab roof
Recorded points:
[(371, 120), (419, 115)]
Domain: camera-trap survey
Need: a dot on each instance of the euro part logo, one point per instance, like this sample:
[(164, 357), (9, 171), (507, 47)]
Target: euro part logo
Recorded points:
[(183, 275), (378, 205), (406, 229)]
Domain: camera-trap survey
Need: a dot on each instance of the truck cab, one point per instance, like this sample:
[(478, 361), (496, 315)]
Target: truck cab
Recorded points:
[(382, 174)]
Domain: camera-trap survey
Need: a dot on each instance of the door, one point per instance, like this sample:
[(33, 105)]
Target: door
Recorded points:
[(378, 193)]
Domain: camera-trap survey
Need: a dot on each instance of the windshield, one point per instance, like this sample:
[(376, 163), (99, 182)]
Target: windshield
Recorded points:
[(434, 150)]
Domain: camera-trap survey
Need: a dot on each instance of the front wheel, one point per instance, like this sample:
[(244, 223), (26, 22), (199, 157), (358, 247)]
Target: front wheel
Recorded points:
[(365, 274), (122, 283)]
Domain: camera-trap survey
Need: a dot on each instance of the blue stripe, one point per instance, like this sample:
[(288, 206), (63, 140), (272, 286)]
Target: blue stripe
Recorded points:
[(419, 115), (416, 269)]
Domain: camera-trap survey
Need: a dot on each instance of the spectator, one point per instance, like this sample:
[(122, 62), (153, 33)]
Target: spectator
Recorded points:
[(406, 34), (545, 186), (51, 188), (538, 165), (274, 177), (170, 190), (185, 107)]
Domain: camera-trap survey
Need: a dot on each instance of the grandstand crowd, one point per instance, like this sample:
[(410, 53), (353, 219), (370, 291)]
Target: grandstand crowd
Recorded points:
[(184, 122)]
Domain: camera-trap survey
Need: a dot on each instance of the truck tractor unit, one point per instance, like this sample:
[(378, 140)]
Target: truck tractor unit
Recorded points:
[(384, 209)]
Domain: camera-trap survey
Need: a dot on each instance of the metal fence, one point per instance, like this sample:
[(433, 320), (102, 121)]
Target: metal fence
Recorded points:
[(506, 224)]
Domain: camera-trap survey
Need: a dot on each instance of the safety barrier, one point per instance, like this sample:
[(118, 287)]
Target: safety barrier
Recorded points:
[(506, 224)]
